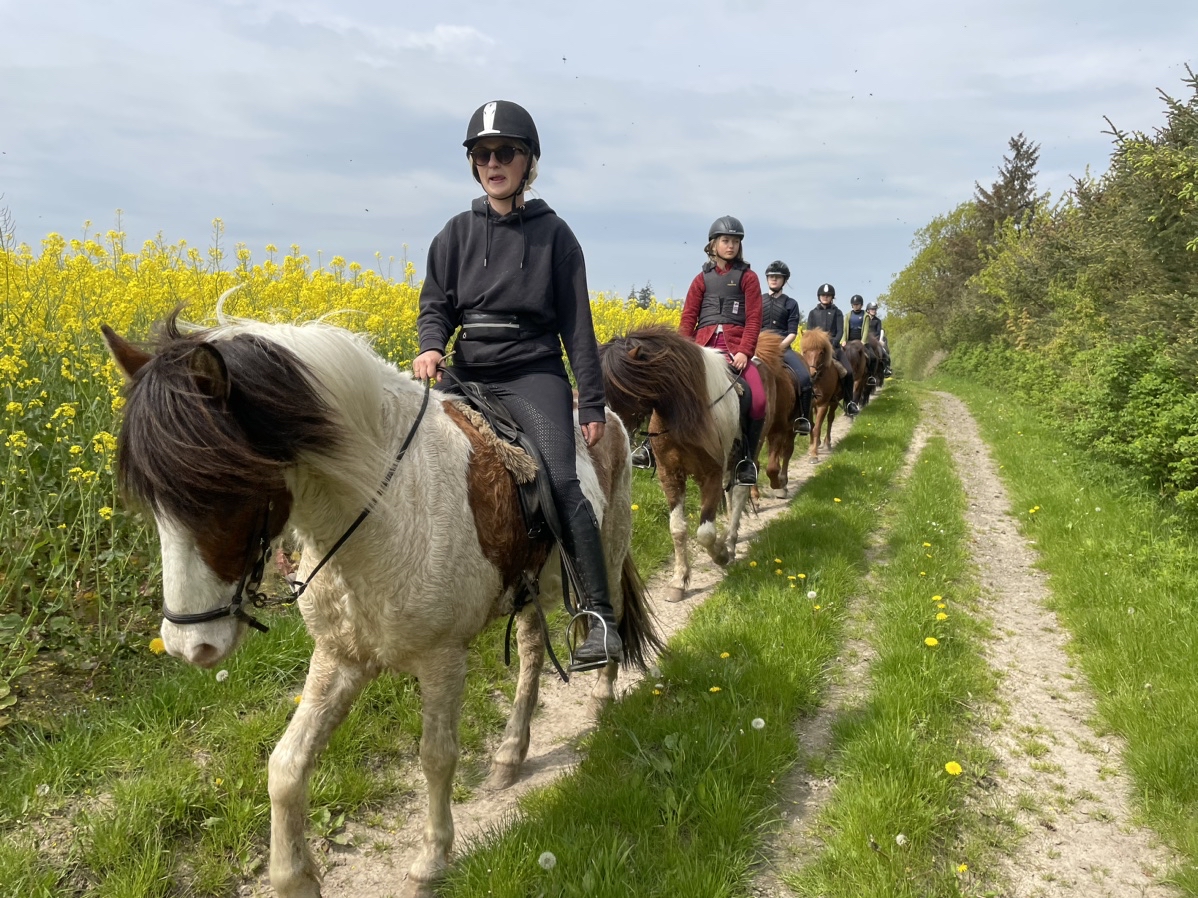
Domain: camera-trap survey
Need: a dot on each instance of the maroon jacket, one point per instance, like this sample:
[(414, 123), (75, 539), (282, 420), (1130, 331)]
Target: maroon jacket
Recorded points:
[(739, 339)]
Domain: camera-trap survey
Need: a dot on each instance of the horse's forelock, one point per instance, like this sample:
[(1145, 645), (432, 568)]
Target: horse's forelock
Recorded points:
[(185, 452)]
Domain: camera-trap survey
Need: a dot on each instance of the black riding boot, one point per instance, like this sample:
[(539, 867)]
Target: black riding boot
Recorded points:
[(746, 468), (602, 643), (802, 418), (846, 390)]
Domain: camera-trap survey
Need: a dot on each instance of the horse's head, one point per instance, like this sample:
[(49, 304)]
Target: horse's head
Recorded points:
[(816, 350), (212, 421)]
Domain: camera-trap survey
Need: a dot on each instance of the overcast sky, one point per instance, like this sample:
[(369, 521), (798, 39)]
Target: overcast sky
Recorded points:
[(832, 130)]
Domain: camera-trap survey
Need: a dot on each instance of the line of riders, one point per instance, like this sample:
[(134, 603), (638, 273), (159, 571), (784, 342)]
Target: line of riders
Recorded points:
[(508, 277)]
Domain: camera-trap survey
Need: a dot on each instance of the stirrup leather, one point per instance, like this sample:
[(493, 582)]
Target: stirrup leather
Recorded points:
[(572, 642)]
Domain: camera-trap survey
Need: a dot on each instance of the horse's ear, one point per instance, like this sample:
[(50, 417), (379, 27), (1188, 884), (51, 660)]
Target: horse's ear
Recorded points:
[(634, 352), (210, 372), (128, 357)]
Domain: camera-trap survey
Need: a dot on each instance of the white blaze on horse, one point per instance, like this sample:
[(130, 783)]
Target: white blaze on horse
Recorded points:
[(686, 394), (232, 434)]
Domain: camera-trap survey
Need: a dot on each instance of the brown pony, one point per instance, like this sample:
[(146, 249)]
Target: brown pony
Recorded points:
[(779, 433), (875, 373), (816, 350), (690, 401), (858, 359)]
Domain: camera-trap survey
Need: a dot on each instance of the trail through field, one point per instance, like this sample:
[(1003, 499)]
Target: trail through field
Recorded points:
[(376, 865), (802, 794), (1062, 779)]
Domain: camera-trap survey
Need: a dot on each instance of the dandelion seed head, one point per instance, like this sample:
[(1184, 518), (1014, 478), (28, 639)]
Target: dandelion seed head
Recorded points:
[(222, 675), (547, 860), (900, 840), (757, 723), (811, 593)]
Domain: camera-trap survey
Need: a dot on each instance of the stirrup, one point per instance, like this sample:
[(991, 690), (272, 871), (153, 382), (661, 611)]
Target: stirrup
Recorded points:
[(642, 457), (871, 381), (744, 468), (801, 425), (571, 644)]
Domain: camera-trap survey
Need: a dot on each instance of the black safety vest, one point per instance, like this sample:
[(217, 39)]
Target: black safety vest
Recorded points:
[(855, 324), (874, 327), (774, 316), (723, 299)]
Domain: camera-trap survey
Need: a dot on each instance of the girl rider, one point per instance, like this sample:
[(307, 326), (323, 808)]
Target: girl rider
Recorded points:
[(873, 328), (723, 309), (510, 274), (855, 323), (780, 314), (828, 318)]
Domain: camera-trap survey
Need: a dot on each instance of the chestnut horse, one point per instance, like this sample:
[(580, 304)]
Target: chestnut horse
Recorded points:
[(816, 350), (690, 401), (232, 434), (779, 436)]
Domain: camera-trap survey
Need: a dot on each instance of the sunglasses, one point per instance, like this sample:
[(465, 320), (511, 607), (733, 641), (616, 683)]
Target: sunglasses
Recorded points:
[(503, 155)]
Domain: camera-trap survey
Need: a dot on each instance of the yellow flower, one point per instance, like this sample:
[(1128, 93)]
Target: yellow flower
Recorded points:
[(14, 408), (837, 499), (778, 572), (923, 573), (635, 507), (298, 699), (802, 576), (937, 599), (931, 642), (941, 605), (657, 692), (105, 513), (714, 689), (927, 545), (816, 607), (157, 646), (962, 868), (76, 450), (941, 616), (752, 564), (953, 768), (725, 655), (777, 561), (791, 577)]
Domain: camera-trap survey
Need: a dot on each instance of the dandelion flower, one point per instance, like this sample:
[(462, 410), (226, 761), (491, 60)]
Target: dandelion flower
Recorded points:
[(952, 768), (758, 723), (962, 868), (298, 699), (941, 616), (927, 545), (791, 577), (816, 607), (157, 646), (778, 572), (657, 692), (937, 598), (635, 507), (931, 642), (547, 860), (222, 675), (802, 576), (714, 689), (777, 561), (725, 655), (923, 573), (794, 586), (752, 564), (941, 605), (837, 499)]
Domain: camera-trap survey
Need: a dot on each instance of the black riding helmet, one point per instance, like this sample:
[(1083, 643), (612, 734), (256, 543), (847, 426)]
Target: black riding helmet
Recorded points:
[(779, 268), (728, 226), (826, 290), (503, 118), (872, 307), (856, 299)]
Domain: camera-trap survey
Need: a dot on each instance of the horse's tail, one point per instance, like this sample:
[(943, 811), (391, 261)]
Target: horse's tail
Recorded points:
[(637, 628)]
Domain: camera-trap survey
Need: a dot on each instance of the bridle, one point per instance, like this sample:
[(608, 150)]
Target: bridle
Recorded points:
[(249, 588)]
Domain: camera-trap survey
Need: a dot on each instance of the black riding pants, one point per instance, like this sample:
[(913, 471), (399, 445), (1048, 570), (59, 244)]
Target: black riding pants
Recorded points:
[(803, 374)]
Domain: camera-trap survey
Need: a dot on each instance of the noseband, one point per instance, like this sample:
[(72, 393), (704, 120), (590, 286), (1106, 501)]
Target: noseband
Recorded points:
[(249, 587)]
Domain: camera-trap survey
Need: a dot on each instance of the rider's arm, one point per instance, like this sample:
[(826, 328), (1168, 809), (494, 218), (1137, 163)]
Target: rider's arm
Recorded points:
[(438, 316), (690, 308), (572, 305)]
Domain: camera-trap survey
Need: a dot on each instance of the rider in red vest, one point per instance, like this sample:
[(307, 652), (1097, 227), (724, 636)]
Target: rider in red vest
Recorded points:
[(723, 310)]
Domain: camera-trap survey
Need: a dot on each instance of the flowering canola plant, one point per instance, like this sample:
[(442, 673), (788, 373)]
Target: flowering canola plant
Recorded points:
[(74, 561)]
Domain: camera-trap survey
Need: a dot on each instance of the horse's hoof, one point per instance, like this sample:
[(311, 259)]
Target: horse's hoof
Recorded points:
[(813, 459), (675, 594), (501, 777), (780, 493), (428, 868)]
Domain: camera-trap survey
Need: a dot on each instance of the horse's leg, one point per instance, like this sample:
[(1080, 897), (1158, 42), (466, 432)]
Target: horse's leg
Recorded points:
[(442, 678), (828, 433), (711, 491), (331, 687), (505, 769), (737, 498), (673, 484), (821, 412)]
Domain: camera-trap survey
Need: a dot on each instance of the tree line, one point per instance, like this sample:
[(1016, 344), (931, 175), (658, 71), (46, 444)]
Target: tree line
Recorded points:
[(1084, 305)]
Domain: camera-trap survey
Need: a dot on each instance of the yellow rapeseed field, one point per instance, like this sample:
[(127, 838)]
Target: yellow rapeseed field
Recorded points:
[(76, 567)]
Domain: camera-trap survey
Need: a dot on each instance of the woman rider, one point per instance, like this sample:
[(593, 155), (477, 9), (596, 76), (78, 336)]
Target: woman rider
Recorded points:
[(854, 324), (828, 318), (780, 314), (723, 310), (873, 328), (511, 275)]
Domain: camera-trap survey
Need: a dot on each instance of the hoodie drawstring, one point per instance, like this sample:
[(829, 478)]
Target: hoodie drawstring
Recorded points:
[(523, 241)]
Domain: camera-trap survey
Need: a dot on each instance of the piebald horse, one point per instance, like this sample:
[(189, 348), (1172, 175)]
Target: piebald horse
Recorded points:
[(816, 351), (232, 434), (690, 401)]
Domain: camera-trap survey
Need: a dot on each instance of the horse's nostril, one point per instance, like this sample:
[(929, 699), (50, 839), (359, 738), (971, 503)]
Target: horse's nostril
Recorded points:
[(204, 655)]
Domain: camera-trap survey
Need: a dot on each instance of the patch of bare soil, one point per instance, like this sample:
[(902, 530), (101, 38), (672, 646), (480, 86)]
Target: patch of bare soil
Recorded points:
[(376, 865), (1062, 779), (803, 794)]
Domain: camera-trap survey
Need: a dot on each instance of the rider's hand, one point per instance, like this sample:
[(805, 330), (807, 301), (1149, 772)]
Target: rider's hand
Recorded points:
[(740, 361), (592, 432), (426, 364)]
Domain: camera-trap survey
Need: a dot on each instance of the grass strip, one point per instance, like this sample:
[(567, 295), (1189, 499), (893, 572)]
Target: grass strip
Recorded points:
[(157, 784), (1123, 570), (903, 762), (680, 777)]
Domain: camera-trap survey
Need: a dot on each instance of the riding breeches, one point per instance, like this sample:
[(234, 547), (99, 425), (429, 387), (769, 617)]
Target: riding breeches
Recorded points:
[(752, 378), (799, 368)]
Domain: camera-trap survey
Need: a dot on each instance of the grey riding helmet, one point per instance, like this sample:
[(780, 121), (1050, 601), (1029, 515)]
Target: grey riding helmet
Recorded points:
[(727, 226)]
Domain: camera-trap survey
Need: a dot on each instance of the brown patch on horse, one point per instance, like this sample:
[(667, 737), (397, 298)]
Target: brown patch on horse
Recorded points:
[(517, 462), (227, 539), (655, 370), (491, 489)]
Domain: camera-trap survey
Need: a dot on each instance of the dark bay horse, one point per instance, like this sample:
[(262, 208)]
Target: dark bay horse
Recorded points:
[(233, 434), (816, 350), (857, 357), (686, 394)]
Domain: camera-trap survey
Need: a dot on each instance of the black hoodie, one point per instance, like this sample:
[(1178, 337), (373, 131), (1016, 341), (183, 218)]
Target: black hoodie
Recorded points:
[(527, 263)]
